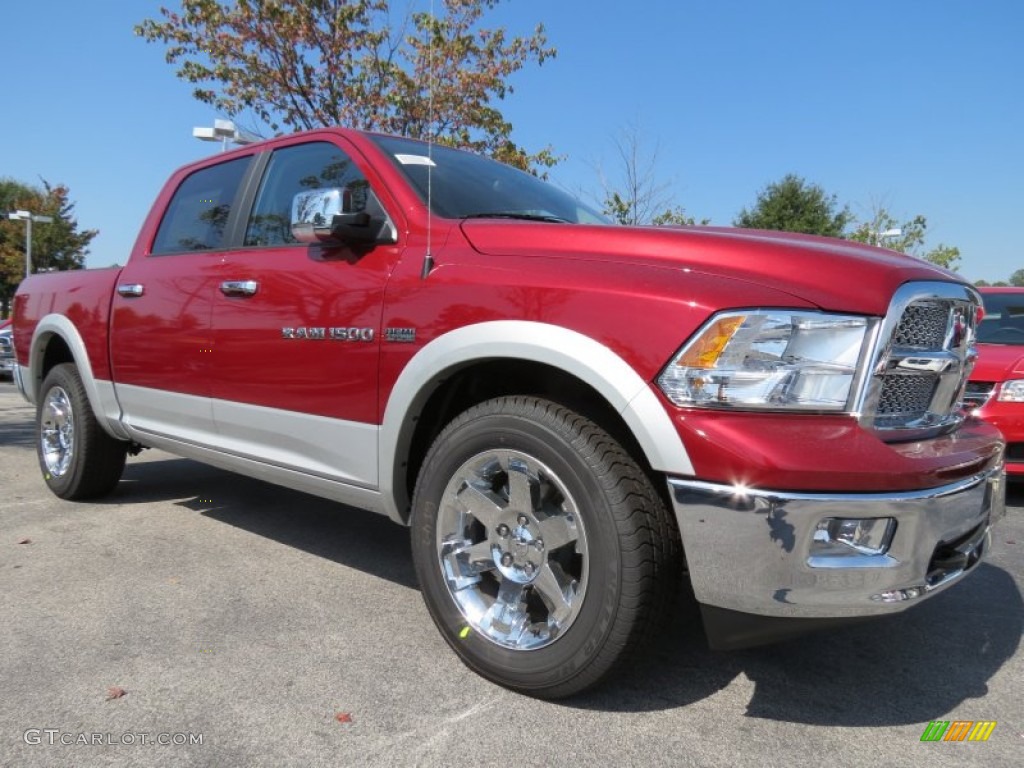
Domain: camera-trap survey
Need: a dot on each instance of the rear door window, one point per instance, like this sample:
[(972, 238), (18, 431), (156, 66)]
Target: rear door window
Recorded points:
[(197, 216)]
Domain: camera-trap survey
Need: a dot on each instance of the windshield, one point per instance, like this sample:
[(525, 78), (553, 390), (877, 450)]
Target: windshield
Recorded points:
[(1004, 319), (464, 185)]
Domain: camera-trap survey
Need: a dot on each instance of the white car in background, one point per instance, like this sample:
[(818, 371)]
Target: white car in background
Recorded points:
[(6, 350)]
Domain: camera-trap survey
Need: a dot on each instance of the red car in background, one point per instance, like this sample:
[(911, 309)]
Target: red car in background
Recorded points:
[(996, 386)]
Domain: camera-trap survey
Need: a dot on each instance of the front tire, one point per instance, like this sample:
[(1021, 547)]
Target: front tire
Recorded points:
[(544, 554), (79, 460)]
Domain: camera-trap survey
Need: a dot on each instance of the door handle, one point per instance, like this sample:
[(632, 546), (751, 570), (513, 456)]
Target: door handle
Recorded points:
[(239, 287), (131, 290)]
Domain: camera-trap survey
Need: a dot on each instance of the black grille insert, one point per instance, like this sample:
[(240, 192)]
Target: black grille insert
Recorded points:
[(923, 325), (905, 398)]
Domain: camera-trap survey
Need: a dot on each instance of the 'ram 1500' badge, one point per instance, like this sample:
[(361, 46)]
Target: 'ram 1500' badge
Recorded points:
[(331, 334)]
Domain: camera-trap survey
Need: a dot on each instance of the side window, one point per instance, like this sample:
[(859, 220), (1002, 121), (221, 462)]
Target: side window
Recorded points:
[(292, 170), (198, 212)]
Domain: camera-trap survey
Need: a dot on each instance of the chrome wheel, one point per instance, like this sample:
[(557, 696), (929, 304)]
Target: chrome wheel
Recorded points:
[(57, 431), (512, 549)]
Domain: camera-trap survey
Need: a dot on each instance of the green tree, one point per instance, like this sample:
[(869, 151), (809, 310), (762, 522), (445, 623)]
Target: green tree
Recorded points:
[(911, 237), (793, 205), (304, 64), (677, 216), (1017, 278), (946, 256), (55, 246)]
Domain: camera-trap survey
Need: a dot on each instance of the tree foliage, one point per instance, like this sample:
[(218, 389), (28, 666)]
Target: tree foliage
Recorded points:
[(911, 237), (55, 246), (637, 194), (793, 205), (304, 64), (1015, 280)]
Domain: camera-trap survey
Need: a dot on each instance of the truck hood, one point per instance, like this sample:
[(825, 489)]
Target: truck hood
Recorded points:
[(835, 275), (999, 362)]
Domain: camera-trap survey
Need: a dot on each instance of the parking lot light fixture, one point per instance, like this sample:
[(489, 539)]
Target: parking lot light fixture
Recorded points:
[(224, 131), (881, 237), (28, 217)]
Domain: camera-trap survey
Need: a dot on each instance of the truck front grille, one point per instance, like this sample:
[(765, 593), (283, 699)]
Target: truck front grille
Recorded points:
[(924, 354)]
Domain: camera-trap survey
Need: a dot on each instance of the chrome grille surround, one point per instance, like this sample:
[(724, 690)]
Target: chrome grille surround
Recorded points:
[(922, 357)]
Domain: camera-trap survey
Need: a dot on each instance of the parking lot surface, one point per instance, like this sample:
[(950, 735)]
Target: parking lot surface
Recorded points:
[(278, 629)]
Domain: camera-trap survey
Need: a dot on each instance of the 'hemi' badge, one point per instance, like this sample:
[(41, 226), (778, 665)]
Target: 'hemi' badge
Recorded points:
[(405, 335)]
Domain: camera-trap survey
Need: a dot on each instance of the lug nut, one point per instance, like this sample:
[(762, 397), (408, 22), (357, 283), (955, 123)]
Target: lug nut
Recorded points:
[(506, 559)]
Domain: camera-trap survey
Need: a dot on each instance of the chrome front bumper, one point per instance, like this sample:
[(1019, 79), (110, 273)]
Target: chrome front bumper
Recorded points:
[(750, 551)]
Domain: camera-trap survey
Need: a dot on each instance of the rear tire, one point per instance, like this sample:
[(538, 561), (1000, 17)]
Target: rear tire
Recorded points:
[(78, 458), (544, 554)]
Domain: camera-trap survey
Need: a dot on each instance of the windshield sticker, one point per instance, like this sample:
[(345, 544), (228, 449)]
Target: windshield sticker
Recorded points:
[(415, 160)]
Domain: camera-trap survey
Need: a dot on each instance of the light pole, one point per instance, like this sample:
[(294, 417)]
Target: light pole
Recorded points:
[(28, 218), (881, 236), (224, 131)]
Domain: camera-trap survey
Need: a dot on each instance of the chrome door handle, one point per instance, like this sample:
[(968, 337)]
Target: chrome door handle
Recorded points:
[(239, 287), (131, 290)]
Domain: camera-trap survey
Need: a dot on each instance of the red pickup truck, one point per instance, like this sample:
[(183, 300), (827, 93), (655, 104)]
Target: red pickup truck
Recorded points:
[(572, 417)]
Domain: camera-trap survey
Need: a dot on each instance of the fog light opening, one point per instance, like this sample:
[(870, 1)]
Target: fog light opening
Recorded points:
[(845, 536)]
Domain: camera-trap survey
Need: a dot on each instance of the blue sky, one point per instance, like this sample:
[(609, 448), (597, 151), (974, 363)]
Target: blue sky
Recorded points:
[(915, 105)]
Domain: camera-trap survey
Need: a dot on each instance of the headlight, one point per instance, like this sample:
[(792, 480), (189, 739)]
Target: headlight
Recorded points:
[(1012, 391), (768, 359)]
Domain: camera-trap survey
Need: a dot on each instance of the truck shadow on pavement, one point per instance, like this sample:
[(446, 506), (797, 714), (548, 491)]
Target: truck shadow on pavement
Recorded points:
[(896, 670), (18, 433), (907, 668), (351, 537)]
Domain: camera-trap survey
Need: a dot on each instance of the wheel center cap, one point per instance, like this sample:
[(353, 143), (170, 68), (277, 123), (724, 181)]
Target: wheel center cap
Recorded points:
[(519, 555)]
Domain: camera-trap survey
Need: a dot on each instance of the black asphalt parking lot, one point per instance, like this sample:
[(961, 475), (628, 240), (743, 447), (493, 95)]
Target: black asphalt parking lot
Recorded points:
[(279, 629)]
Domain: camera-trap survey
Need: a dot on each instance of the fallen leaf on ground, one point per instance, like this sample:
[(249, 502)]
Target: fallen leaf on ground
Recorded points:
[(25, 541), (343, 717), (115, 692)]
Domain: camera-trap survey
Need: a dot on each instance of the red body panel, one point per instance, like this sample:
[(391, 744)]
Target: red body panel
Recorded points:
[(831, 274), (825, 453), (162, 339), (999, 362), (301, 288), (81, 297), (640, 313)]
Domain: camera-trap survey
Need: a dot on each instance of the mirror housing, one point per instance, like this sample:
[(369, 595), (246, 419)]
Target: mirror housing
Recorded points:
[(326, 216)]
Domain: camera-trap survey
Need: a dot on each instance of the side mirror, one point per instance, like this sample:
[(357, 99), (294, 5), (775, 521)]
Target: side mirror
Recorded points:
[(326, 215)]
